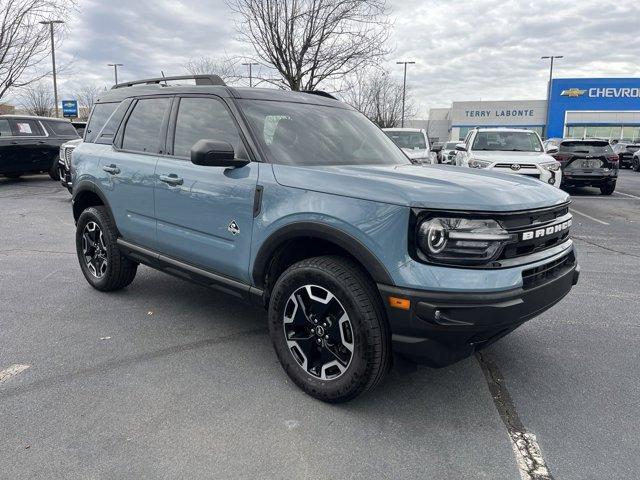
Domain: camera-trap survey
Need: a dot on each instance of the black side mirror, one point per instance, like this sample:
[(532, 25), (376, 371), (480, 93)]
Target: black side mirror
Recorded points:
[(436, 148), (461, 147), (213, 153)]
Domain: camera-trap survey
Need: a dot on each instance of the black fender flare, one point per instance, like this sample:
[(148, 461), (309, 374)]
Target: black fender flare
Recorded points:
[(88, 186), (347, 242)]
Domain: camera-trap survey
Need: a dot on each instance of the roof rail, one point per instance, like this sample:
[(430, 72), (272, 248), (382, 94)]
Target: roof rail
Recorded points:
[(320, 93), (200, 80)]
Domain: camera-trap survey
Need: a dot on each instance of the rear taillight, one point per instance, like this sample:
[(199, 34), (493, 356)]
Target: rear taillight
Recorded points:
[(561, 157), (613, 158)]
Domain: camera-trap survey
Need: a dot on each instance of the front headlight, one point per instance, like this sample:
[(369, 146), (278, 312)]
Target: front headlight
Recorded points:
[(552, 166), (461, 241), (476, 163)]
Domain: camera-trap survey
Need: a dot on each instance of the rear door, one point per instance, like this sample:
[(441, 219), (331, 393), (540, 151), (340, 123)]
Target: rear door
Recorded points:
[(29, 146), (205, 214), (127, 169)]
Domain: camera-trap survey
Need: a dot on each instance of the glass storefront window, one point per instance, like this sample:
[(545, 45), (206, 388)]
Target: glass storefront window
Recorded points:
[(611, 132), (631, 134)]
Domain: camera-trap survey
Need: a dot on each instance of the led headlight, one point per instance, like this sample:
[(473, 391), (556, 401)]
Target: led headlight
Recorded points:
[(461, 241), (552, 166), (476, 163)]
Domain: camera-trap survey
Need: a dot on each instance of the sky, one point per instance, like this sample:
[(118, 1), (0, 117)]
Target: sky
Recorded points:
[(464, 50)]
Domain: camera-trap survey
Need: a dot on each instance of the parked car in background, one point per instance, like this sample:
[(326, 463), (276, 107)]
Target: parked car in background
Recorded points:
[(298, 203), (64, 162), (625, 151), (79, 126), (414, 142), (588, 163), (551, 143), (448, 153), (32, 144), (635, 162), (436, 147), (509, 150)]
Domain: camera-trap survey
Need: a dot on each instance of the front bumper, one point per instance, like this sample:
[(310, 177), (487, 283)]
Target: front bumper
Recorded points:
[(65, 175), (441, 328)]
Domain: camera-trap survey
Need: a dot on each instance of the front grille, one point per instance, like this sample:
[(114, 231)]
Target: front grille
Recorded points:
[(538, 275), (67, 156), (532, 224), (508, 165)]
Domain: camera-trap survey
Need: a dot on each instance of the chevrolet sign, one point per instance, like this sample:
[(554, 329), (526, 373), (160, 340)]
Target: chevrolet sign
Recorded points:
[(573, 92), (545, 232)]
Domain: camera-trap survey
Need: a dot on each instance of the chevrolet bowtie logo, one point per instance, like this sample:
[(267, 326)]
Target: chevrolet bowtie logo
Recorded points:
[(573, 92)]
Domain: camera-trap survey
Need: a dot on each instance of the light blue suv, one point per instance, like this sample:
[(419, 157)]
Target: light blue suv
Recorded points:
[(299, 203)]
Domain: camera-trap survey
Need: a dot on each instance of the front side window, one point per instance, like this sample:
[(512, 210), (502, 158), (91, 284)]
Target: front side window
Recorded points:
[(5, 128), (143, 131), (507, 142), (99, 115), (409, 140), (204, 119), (304, 134)]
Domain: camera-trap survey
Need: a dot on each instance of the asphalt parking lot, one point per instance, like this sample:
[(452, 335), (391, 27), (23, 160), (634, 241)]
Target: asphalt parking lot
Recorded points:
[(167, 379)]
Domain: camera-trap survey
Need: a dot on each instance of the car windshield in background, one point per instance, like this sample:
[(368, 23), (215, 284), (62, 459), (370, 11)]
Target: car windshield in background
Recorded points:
[(410, 140), (303, 134), (450, 145), (507, 142), (594, 147)]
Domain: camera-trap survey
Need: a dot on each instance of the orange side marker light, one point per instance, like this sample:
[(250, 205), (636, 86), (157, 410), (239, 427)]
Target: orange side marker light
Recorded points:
[(401, 303)]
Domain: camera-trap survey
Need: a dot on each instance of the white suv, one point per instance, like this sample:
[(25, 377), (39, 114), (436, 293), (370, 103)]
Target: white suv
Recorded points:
[(509, 150), (414, 142)]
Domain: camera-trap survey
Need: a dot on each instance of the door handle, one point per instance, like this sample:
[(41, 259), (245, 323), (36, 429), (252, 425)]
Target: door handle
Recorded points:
[(112, 169), (171, 179)]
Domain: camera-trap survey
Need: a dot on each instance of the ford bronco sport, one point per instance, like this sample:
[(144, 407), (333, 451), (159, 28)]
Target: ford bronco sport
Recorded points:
[(299, 203)]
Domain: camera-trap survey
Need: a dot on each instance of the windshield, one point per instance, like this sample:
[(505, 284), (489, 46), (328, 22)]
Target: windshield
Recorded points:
[(586, 147), (507, 142), (410, 140), (303, 134)]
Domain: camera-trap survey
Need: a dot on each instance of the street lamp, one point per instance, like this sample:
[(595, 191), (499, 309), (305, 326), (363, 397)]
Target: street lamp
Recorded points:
[(250, 74), (552, 58), (115, 69), (404, 87), (53, 60)]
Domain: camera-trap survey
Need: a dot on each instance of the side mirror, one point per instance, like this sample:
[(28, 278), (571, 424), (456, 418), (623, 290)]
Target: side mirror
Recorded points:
[(213, 153), (552, 149), (461, 147), (436, 148)]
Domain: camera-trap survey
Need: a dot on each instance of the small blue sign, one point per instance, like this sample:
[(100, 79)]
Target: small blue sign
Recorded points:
[(69, 108)]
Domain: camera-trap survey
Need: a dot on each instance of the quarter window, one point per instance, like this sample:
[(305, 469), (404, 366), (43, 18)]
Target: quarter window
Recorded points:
[(99, 115), (204, 119), (143, 131)]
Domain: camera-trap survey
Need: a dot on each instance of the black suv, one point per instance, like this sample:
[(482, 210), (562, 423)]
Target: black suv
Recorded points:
[(625, 152), (588, 163), (31, 144)]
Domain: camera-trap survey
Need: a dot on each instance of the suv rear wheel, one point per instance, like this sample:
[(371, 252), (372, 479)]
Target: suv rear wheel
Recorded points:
[(102, 263), (329, 329), (608, 188)]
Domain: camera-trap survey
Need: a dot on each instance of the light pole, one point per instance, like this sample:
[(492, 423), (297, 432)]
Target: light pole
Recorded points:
[(115, 69), (53, 60), (250, 72), (404, 87), (552, 58)]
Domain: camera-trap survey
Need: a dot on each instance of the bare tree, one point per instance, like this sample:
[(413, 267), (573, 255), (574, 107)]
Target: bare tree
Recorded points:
[(24, 42), (226, 67), (310, 41), (377, 95), (37, 99), (86, 97)]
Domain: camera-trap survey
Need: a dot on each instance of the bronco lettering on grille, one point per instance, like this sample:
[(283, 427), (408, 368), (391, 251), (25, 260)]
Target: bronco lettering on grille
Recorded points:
[(544, 232)]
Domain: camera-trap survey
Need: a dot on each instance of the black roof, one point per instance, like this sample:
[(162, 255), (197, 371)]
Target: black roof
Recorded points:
[(35, 117), (122, 92)]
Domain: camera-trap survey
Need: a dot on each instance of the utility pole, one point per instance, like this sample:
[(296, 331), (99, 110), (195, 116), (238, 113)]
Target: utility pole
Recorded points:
[(115, 69), (404, 87), (546, 123), (250, 72), (53, 61)]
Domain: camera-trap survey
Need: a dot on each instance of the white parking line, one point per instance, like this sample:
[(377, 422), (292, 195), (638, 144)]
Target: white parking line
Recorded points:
[(12, 371), (589, 216), (628, 195)]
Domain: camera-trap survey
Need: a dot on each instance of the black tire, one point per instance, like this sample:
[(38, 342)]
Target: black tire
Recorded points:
[(119, 270), (608, 188), (368, 330), (53, 171), (636, 164)]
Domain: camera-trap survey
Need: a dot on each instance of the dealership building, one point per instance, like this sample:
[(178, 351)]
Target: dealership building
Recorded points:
[(578, 107)]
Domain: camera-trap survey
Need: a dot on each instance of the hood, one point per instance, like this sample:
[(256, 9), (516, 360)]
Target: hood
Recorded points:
[(72, 143), (512, 157), (433, 186)]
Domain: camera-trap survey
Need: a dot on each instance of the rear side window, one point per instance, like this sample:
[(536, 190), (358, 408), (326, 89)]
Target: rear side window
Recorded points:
[(26, 128), (99, 115), (143, 131), (64, 129), (5, 128), (596, 148), (203, 118)]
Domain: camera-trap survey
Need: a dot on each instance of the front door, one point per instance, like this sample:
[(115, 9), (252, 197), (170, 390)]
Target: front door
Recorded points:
[(205, 214)]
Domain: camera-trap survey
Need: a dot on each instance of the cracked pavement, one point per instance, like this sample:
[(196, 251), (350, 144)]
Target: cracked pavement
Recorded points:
[(168, 379)]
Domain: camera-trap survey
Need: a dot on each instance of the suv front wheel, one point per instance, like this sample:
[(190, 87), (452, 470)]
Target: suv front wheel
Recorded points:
[(101, 261), (328, 328)]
